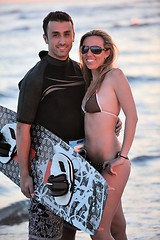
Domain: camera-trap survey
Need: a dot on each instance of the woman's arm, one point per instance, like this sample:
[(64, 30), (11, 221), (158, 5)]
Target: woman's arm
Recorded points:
[(125, 98)]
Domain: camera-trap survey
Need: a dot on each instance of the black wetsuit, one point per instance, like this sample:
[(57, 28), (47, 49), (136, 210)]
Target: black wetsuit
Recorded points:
[(51, 94)]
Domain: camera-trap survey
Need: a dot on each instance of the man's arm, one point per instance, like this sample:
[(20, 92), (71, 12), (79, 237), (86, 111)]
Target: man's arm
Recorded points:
[(23, 149), (118, 127)]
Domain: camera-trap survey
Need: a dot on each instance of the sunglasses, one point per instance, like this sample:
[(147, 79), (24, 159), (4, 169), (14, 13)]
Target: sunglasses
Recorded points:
[(94, 49)]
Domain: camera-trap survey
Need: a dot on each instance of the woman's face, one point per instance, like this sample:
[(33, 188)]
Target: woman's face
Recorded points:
[(91, 59)]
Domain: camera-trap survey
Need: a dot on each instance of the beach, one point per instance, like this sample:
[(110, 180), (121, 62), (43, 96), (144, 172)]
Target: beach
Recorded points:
[(134, 25)]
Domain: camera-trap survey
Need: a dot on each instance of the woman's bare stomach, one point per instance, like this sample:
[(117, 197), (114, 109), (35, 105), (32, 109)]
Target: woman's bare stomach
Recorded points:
[(101, 141), (101, 150)]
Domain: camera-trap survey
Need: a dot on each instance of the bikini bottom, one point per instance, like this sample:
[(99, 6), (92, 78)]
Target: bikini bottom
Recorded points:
[(98, 166)]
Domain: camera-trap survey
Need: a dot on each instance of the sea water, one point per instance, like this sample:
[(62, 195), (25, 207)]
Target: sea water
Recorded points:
[(135, 28)]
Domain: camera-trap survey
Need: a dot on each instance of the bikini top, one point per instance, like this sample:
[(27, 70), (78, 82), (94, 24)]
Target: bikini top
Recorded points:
[(93, 106)]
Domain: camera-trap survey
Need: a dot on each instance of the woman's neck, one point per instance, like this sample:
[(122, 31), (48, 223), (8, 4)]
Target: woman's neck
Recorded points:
[(94, 75)]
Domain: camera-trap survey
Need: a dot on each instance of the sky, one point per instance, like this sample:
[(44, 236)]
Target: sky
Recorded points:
[(16, 1)]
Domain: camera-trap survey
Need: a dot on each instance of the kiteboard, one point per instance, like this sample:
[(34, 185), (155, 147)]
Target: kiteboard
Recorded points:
[(80, 199)]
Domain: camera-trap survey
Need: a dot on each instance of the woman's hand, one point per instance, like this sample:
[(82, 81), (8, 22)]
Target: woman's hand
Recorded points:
[(109, 165)]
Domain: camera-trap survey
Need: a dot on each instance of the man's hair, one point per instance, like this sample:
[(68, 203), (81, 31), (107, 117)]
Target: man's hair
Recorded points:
[(57, 16)]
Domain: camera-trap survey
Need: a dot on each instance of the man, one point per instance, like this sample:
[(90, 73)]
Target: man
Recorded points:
[(50, 95)]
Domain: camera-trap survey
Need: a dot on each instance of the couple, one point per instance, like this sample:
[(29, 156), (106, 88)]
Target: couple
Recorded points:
[(52, 94)]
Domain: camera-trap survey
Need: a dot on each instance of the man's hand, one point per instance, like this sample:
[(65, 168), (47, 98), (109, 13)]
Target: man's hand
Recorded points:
[(26, 184), (118, 127)]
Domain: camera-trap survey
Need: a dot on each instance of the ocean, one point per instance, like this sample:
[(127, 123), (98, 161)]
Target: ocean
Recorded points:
[(135, 28)]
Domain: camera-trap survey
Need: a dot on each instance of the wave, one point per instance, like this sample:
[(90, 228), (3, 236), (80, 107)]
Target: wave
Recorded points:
[(145, 158), (141, 19), (22, 13), (135, 23), (3, 95), (15, 213), (10, 93), (10, 12), (143, 78)]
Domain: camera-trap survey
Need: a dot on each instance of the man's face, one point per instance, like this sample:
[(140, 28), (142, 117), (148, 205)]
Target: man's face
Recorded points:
[(60, 37)]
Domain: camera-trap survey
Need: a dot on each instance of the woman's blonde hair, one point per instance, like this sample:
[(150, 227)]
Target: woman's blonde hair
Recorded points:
[(105, 67)]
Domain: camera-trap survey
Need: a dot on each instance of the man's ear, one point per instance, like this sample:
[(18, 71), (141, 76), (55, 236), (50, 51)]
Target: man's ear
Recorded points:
[(73, 36), (45, 38)]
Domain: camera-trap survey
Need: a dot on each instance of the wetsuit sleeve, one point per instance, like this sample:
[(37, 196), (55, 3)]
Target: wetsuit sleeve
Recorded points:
[(30, 94)]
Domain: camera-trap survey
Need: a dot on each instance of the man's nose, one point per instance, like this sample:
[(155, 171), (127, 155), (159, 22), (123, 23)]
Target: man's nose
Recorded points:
[(61, 40)]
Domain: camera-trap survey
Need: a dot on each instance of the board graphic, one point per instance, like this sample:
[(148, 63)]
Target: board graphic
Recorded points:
[(83, 204)]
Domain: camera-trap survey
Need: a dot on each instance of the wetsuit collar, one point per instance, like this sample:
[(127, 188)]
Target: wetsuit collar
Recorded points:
[(51, 60)]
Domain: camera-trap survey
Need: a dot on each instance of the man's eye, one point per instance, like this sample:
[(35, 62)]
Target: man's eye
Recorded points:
[(55, 34), (67, 34)]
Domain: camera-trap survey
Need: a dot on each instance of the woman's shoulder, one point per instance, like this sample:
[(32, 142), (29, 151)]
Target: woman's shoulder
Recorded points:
[(115, 77), (116, 72)]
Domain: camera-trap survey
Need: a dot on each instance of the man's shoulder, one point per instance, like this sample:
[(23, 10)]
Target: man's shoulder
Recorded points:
[(39, 67), (36, 73), (77, 64), (76, 67)]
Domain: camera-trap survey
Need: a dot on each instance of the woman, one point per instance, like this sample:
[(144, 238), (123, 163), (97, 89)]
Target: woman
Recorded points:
[(108, 92)]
